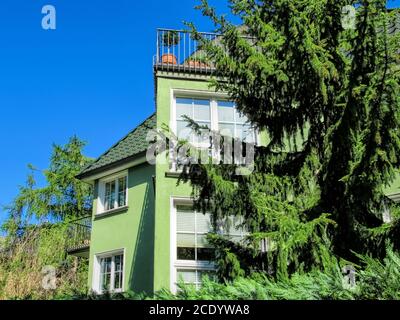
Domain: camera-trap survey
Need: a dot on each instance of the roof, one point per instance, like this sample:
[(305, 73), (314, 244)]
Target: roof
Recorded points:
[(132, 145)]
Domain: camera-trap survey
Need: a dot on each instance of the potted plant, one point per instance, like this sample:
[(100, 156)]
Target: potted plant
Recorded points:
[(198, 60), (169, 39)]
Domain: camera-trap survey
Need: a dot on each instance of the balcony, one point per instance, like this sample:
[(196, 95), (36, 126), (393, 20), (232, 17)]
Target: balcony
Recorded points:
[(79, 232), (177, 51)]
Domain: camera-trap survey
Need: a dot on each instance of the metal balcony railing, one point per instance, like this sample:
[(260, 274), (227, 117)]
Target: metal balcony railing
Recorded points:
[(178, 51), (79, 233)]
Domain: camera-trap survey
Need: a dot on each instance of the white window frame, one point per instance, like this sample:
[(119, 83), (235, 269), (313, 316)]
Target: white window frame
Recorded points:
[(102, 192), (182, 264), (214, 97), (96, 281)]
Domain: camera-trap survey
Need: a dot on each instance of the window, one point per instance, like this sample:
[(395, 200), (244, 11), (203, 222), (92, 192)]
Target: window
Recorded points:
[(191, 230), (210, 114), (109, 276), (197, 110), (193, 256), (194, 276), (232, 228), (231, 123), (386, 216), (113, 193)]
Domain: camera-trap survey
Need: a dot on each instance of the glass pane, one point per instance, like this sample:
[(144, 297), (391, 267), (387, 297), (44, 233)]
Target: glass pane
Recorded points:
[(183, 132), (226, 104), (203, 222), (110, 196), (184, 107), (236, 238), (107, 197), (112, 187), (108, 189), (122, 192), (246, 133), (105, 265), (240, 133), (119, 261), (105, 273), (185, 221), (202, 110), (202, 140), (184, 101), (121, 184), (188, 276), (118, 281), (204, 136), (184, 207), (237, 225), (118, 271), (186, 253), (226, 225), (232, 225), (185, 240), (105, 282), (202, 241), (207, 273), (240, 118), (225, 111), (201, 102), (227, 129)]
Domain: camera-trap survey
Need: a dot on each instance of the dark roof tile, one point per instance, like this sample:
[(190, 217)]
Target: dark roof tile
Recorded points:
[(131, 145)]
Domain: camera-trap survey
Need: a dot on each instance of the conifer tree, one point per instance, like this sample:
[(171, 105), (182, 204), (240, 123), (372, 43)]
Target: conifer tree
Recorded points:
[(62, 197), (327, 96)]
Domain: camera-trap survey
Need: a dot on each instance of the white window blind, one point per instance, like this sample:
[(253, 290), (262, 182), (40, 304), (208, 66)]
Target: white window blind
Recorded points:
[(194, 255)]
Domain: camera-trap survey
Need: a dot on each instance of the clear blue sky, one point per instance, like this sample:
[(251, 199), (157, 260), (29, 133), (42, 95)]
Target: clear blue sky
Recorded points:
[(92, 76)]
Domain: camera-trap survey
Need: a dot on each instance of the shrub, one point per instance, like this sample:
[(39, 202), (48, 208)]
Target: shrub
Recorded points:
[(374, 280), (22, 264)]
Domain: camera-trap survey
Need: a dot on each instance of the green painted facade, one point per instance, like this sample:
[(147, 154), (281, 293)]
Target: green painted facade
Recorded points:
[(131, 229), (143, 229), (166, 186)]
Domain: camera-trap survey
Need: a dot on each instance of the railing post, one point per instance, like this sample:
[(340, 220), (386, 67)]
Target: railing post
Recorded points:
[(80, 233), (187, 51), (158, 48)]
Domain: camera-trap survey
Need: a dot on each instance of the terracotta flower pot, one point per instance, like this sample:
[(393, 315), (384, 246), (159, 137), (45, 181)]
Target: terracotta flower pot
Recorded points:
[(168, 59), (197, 64)]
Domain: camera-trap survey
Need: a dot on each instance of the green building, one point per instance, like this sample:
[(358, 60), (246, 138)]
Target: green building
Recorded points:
[(143, 234)]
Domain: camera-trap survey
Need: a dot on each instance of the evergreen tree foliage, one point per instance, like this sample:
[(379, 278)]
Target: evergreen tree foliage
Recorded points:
[(376, 280), (328, 99), (38, 230), (24, 266), (62, 197)]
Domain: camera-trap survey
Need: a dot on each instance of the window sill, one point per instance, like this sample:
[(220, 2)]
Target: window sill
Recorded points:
[(106, 292), (210, 265), (110, 292), (111, 212)]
